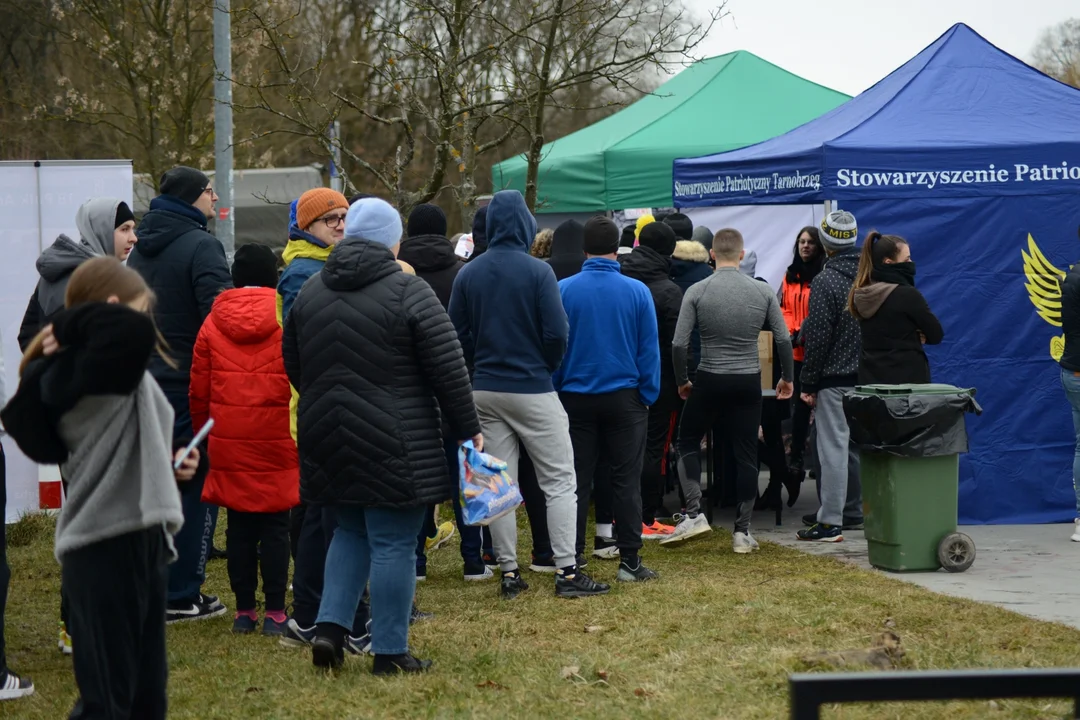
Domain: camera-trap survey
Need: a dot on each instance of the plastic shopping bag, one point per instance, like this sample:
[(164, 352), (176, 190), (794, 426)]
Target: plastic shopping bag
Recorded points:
[(487, 490)]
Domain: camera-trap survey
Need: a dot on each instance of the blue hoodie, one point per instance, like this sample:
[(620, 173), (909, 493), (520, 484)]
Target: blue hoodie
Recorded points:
[(614, 344), (506, 306), (304, 256)]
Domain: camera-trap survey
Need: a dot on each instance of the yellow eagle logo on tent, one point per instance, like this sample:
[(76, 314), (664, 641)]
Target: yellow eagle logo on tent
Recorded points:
[(1044, 289)]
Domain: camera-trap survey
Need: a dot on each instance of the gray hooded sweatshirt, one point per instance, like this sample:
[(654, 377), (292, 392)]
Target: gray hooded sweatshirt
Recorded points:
[(95, 221)]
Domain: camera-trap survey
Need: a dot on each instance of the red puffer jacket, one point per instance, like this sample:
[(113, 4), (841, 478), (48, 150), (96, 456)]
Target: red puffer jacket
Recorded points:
[(238, 379)]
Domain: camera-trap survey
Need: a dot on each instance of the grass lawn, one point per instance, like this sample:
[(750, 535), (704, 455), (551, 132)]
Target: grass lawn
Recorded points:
[(716, 638)]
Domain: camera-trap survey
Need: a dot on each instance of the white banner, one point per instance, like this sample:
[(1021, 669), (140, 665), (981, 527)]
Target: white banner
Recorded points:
[(39, 202), (768, 230)]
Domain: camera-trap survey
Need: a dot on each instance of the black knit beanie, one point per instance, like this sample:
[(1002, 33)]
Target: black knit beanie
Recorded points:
[(681, 224), (629, 235), (184, 182), (601, 236), (660, 237), (426, 219), (123, 214), (254, 265)]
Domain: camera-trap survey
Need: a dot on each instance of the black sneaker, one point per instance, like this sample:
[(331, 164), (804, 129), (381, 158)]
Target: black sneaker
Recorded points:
[(639, 574), (244, 625), (13, 687), (326, 655), (477, 572), (296, 636), (191, 611), (581, 561), (810, 519), (850, 523), (360, 645), (512, 585), (397, 664), (419, 615), (821, 533), (216, 554), (544, 565), (578, 585), (605, 548), (210, 601)]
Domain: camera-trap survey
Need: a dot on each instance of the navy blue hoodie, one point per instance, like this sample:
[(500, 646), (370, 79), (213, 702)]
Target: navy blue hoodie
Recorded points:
[(507, 308)]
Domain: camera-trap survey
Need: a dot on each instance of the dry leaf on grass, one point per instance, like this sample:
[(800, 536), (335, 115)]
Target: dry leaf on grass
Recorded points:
[(602, 674), (890, 623), (593, 628), (570, 671), (642, 693), (490, 685)]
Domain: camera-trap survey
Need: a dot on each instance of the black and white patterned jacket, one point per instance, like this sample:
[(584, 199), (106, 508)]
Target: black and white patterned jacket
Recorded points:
[(831, 333)]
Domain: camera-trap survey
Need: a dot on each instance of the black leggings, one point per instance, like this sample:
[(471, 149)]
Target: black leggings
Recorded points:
[(733, 404), (800, 420)]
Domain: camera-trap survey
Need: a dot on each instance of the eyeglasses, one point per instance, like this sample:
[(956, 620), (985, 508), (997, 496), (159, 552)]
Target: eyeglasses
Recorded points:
[(209, 191), (333, 221)]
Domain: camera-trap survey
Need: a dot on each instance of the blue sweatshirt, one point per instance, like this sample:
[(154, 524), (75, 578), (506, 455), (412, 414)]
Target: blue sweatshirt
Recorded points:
[(613, 337), (506, 306)]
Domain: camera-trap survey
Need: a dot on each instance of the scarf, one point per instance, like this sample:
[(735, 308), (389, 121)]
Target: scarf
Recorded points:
[(895, 273)]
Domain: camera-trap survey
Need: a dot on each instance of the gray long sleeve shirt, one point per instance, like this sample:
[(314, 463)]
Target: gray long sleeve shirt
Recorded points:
[(730, 310)]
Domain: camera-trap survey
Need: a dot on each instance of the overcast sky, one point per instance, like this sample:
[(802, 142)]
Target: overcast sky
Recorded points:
[(849, 45)]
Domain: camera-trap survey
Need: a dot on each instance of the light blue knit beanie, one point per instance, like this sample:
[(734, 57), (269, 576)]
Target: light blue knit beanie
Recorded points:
[(374, 220)]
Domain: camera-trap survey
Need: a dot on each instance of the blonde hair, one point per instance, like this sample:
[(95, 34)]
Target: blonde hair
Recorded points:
[(541, 247)]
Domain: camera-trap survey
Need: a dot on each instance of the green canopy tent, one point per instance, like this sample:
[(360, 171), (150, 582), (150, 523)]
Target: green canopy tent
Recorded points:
[(624, 161)]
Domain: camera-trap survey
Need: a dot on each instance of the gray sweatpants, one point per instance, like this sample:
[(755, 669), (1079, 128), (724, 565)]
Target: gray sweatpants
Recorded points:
[(540, 424), (841, 491)]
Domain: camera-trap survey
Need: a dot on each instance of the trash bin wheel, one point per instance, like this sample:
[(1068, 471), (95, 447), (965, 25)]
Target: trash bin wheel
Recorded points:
[(956, 552)]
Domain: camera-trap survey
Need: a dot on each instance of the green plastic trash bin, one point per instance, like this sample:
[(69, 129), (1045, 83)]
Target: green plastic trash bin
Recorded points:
[(910, 437)]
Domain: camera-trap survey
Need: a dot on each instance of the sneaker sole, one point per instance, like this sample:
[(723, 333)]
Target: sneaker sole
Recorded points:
[(838, 538), (479, 578), (625, 577), (655, 536), (742, 550), (542, 569), (439, 544), (678, 540), (291, 642), (1075, 538), (196, 618), (608, 553), (16, 694), (570, 595)]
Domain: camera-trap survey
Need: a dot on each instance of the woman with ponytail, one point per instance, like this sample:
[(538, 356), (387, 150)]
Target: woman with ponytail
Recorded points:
[(808, 259), (87, 402), (894, 318)]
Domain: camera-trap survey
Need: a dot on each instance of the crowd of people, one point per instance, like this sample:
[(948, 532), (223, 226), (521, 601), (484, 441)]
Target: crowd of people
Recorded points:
[(339, 383)]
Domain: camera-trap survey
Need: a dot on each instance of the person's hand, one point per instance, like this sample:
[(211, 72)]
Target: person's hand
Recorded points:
[(477, 441), (922, 338), (760, 434), (809, 398), (784, 390), (684, 390), (49, 345), (189, 467)]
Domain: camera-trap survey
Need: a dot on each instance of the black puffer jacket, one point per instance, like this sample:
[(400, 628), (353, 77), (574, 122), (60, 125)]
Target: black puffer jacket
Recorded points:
[(374, 356), (653, 269), (433, 259), (831, 333), (185, 266)]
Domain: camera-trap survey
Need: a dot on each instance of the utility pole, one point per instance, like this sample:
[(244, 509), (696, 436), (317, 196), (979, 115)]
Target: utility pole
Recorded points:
[(223, 127), (335, 158)]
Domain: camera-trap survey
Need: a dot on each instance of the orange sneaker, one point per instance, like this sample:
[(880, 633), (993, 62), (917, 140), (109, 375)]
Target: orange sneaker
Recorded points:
[(656, 531)]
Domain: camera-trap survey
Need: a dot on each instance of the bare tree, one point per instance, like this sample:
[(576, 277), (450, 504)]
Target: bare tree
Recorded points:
[(558, 46), (1057, 52)]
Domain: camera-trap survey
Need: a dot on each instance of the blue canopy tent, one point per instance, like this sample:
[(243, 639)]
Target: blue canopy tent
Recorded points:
[(974, 157)]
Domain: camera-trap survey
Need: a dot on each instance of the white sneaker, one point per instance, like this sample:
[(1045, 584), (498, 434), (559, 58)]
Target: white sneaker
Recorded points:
[(1076, 530), (486, 575), (687, 527), (742, 543)]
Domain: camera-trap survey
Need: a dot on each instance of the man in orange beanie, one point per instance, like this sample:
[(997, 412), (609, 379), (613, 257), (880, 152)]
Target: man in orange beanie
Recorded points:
[(317, 224)]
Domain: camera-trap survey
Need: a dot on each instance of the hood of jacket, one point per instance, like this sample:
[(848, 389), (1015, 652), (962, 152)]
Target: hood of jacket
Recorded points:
[(748, 265), (168, 219), (690, 251), (428, 253), (646, 265), (247, 316), (846, 263), (96, 222), (569, 239), (868, 300), (304, 245), (510, 225), (357, 263), (61, 258)]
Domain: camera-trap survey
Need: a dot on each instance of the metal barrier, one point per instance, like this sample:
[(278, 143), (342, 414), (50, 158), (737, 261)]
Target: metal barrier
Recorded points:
[(809, 691)]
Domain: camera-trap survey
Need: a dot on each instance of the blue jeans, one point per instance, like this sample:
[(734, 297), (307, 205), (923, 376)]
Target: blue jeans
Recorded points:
[(379, 543), (1071, 382)]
